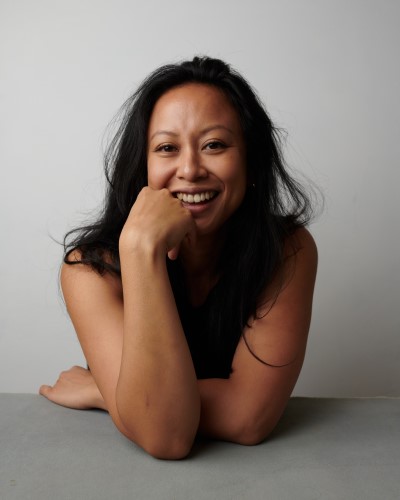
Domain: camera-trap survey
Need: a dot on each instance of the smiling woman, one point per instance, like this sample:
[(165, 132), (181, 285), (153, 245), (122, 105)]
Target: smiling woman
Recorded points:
[(191, 295), (196, 148)]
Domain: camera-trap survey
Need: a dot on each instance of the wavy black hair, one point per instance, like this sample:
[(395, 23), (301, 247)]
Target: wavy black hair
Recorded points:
[(274, 206)]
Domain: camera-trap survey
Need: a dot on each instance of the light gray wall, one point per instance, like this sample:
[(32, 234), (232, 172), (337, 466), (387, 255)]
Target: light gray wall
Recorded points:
[(328, 72)]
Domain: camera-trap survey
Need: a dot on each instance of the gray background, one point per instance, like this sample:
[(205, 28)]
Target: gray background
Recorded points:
[(328, 73)]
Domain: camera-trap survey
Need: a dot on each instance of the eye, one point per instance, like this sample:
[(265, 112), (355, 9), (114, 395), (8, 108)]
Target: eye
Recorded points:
[(215, 145), (166, 148)]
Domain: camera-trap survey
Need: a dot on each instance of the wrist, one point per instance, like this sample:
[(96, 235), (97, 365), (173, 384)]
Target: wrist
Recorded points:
[(97, 398), (140, 243), (100, 403)]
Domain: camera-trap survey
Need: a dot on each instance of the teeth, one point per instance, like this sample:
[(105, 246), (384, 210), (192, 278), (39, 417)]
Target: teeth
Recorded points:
[(196, 198)]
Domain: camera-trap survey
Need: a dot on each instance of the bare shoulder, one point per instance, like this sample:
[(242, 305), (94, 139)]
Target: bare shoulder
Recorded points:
[(300, 269), (279, 333), (95, 305), (302, 242), (76, 277)]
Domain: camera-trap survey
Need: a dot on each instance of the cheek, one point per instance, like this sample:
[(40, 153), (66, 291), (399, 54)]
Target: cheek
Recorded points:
[(236, 178), (240, 192), (155, 176), (238, 184)]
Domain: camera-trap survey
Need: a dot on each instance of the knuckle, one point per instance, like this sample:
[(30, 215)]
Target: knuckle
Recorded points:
[(144, 192)]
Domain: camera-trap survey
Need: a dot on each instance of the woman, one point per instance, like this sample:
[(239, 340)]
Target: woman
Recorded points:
[(191, 296)]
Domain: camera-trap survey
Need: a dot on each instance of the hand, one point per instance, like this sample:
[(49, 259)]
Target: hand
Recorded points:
[(158, 219), (75, 388)]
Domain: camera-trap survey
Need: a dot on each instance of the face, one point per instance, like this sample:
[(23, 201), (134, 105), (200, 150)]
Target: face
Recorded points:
[(196, 150)]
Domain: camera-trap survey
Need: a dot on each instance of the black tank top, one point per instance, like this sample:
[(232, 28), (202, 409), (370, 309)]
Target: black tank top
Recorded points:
[(212, 356), (195, 323)]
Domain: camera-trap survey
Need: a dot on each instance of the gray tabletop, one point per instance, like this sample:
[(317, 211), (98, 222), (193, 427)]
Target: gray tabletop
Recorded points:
[(322, 449)]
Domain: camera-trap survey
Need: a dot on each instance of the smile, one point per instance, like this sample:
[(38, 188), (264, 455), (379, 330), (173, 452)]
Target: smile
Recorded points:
[(197, 197)]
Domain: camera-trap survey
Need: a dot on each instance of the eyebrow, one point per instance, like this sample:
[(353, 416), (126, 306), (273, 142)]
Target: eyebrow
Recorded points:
[(203, 132)]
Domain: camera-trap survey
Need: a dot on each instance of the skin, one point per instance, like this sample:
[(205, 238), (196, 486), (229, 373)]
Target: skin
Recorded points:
[(129, 328)]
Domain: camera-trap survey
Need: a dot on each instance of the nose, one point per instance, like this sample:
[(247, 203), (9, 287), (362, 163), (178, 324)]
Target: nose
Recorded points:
[(190, 167)]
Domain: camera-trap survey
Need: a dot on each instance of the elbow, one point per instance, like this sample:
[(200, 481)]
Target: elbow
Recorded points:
[(163, 448), (160, 431), (250, 437), (168, 449), (165, 439), (168, 446), (251, 433)]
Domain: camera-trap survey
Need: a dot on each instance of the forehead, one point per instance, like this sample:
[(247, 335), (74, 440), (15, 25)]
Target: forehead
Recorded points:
[(193, 104)]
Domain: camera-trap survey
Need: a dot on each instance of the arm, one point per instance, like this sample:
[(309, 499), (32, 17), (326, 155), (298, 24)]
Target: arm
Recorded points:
[(157, 395), (246, 407), (131, 335)]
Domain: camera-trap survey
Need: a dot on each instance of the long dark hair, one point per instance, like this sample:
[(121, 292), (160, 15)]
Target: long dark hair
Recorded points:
[(274, 205)]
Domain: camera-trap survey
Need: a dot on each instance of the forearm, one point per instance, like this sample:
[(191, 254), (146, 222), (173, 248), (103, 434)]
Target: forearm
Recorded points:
[(157, 394)]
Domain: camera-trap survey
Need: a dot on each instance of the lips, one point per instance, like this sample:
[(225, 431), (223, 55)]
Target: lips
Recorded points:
[(198, 197)]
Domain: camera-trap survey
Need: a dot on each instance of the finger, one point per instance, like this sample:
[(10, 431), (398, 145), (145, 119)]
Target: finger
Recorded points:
[(173, 253), (45, 390), (52, 395)]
